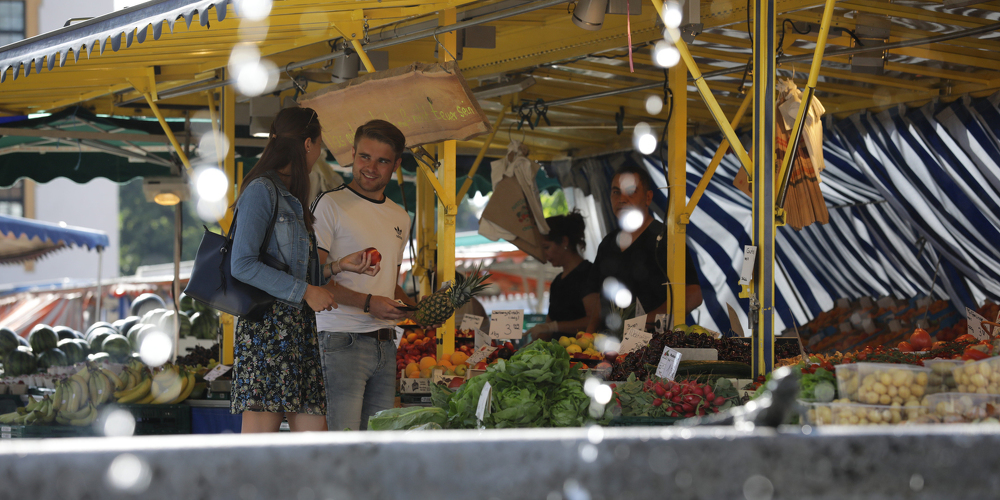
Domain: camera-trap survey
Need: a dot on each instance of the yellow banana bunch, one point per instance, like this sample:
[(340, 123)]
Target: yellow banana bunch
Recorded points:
[(186, 391), (167, 385), (136, 393), (85, 416)]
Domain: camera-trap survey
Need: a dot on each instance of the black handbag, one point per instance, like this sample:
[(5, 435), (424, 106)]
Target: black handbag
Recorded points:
[(212, 279)]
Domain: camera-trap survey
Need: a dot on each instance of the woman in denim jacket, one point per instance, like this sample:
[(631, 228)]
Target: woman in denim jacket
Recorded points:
[(277, 373)]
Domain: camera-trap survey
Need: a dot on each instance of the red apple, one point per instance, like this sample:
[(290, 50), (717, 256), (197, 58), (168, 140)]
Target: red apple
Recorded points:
[(374, 255)]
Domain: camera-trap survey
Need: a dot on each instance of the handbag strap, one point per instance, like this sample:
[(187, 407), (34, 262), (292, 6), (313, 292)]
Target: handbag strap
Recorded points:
[(270, 226)]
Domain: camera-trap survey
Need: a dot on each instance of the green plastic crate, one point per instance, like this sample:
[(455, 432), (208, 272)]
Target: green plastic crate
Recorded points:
[(44, 431), (643, 421), (160, 419)]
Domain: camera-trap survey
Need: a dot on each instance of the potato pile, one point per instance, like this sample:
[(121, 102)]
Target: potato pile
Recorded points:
[(843, 412), (941, 378), (980, 377), (887, 384)]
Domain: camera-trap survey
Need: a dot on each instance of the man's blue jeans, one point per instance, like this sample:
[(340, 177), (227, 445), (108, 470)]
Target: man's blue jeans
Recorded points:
[(360, 377)]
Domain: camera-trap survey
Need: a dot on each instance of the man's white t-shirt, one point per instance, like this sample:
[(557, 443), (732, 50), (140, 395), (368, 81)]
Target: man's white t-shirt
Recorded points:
[(345, 223)]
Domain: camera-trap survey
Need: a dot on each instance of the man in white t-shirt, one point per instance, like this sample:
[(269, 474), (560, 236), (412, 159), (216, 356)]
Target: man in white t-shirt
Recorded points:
[(357, 339)]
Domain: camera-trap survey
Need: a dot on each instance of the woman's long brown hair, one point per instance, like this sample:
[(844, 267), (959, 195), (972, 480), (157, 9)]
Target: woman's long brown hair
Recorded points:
[(286, 146)]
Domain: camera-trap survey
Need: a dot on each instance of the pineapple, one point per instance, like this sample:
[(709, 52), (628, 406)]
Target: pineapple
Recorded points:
[(437, 308)]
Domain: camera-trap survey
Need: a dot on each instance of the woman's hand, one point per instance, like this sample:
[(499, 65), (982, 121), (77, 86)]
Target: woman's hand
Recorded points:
[(543, 331), (319, 298), (359, 262)]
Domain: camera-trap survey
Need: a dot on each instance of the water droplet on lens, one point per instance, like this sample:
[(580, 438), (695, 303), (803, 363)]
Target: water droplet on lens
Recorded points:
[(916, 482), (574, 491), (758, 487), (129, 473), (588, 453), (683, 480), (595, 434)]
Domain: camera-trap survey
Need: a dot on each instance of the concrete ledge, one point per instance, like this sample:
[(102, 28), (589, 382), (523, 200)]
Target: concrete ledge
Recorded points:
[(955, 461)]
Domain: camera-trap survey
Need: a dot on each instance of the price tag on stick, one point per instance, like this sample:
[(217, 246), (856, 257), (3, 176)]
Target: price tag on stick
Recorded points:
[(749, 259), (471, 322), (507, 324), (976, 324), (636, 323), (216, 372), (669, 361), (399, 336), (481, 339), (484, 406)]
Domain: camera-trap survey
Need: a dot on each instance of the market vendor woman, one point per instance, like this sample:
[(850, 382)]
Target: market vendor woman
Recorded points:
[(569, 310), (637, 259)]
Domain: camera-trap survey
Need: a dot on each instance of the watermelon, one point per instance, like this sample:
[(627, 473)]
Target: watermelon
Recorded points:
[(127, 324), (118, 324), (23, 341), (138, 334), (42, 338), (73, 350), (19, 362), (186, 302), (185, 325), (117, 347), (145, 303), (98, 357), (204, 325), (99, 324), (8, 341), (153, 317), (51, 357), (65, 332), (97, 338), (85, 346)]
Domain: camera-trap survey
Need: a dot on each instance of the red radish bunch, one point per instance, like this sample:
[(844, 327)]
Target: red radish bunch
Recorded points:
[(683, 399)]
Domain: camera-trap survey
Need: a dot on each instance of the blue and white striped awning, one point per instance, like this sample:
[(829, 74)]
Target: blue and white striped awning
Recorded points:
[(914, 199), (26, 239)]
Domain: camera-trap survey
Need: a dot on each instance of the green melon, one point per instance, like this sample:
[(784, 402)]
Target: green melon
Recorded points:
[(99, 324), (186, 302), (51, 357), (127, 324), (42, 338), (145, 303), (117, 347), (98, 357), (74, 351), (19, 362), (97, 338), (153, 317), (8, 341), (64, 332), (204, 325), (23, 341)]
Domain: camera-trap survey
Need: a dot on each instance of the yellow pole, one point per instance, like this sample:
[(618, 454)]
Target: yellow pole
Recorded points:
[(710, 171), (677, 180), (166, 130), (215, 125), (447, 208), (229, 130), (706, 93), (479, 158), (793, 140)]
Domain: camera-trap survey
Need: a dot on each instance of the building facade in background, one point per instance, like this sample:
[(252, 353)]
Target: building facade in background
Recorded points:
[(92, 205)]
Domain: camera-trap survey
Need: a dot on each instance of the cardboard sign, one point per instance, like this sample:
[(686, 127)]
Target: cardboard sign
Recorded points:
[(471, 322), (509, 209), (734, 322), (749, 260), (669, 361), (414, 385), (399, 336), (633, 340), (663, 322), (216, 372), (637, 323), (481, 339), (507, 324), (484, 406), (480, 354), (976, 324), (429, 103)]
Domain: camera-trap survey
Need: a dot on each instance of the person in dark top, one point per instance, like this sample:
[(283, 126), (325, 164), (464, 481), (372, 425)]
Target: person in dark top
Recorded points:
[(637, 259), (569, 309)]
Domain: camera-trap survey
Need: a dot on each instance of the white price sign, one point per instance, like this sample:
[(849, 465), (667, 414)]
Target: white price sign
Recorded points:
[(634, 340), (481, 339), (669, 362), (216, 372), (471, 322), (399, 335), (749, 259), (483, 407), (636, 323), (976, 324), (507, 324), (480, 354)]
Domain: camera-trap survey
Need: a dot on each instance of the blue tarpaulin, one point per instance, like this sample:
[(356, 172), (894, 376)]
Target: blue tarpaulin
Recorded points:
[(24, 239)]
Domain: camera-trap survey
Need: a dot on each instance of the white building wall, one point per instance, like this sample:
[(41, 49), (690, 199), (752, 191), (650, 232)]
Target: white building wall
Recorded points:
[(53, 14)]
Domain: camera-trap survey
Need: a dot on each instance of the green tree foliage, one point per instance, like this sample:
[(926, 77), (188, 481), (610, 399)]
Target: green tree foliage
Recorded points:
[(554, 203), (147, 230)]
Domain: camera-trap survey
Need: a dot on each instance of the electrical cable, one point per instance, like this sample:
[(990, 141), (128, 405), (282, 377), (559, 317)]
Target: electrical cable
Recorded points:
[(667, 93), (748, 23)]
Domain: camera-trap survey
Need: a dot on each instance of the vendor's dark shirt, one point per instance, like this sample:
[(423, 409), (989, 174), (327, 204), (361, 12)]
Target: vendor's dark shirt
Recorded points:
[(637, 267), (566, 294)]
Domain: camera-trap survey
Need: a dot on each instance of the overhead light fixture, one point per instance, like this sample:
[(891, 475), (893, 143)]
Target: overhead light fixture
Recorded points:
[(166, 191), (589, 14), (263, 109), (346, 68), (503, 88)]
